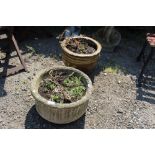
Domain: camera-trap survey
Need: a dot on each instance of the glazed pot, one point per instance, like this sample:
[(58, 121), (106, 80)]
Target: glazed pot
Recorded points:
[(60, 113), (84, 62)]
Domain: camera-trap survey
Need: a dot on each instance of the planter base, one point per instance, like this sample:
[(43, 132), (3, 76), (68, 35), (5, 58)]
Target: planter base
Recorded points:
[(60, 116)]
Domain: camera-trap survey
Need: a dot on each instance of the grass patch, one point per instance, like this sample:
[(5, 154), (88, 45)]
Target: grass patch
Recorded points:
[(112, 67), (31, 49)]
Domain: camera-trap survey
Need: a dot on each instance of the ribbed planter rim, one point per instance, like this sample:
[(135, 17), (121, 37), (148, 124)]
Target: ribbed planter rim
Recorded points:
[(38, 97), (98, 45)]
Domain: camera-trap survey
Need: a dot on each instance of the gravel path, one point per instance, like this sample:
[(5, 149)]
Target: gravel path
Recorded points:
[(115, 103)]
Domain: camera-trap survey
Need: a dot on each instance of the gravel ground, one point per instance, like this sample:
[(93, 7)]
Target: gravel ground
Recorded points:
[(116, 101)]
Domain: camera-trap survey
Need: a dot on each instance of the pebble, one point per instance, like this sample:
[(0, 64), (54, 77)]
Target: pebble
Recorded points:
[(29, 77), (24, 89), (120, 111), (119, 82), (16, 93)]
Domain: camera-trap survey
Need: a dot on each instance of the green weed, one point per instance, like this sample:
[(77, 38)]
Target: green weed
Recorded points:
[(56, 98), (77, 91), (31, 49), (114, 68)]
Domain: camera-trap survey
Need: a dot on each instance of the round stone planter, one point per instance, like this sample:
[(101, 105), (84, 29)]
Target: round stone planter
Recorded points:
[(84, 62), (114, 39), (56, 112)]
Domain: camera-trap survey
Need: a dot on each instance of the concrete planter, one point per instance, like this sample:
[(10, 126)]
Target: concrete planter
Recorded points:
[(84, 62), (108, 41), (60, 113)]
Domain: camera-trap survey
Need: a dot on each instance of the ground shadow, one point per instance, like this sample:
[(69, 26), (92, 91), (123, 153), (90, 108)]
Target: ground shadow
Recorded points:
[(4, 66), (23, 33), (2, 90), (35, 121), (147, 90), (99, 67), (47, 47), (124, 58)]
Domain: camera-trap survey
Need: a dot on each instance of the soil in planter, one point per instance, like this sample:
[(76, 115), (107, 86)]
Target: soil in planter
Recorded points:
[(81, 46), (62, 86)]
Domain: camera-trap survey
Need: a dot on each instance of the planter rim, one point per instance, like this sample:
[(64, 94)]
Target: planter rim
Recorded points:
[(38, 97), (99, 47)]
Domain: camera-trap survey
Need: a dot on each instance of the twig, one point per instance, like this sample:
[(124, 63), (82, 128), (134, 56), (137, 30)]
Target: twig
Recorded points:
[(65, 95)]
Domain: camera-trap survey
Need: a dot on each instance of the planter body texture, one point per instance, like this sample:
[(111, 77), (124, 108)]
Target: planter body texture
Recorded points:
[(60, 113), (84, 62)]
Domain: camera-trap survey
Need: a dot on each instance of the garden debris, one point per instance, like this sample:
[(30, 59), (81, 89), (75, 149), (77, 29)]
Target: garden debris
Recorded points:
[(62, 87), (80, 46)]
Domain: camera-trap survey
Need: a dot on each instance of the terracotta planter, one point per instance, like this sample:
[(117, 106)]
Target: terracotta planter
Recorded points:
[(56, 112), (84, 62)]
